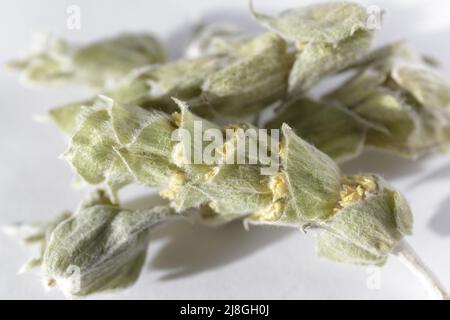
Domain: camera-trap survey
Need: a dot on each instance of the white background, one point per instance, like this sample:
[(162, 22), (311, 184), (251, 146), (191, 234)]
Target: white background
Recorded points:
[(188, 261)]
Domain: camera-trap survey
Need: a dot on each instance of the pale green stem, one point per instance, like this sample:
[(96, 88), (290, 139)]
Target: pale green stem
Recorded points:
[(410, 258)]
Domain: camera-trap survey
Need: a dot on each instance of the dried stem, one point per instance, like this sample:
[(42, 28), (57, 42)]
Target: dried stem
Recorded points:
[(410, 258)]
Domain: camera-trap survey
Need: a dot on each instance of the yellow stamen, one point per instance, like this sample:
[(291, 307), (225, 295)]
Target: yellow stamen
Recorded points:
[(212, 173), (272, 212), (175, 183), (282, 152), (176, 117), (278, 186), (51, 282), (354, 189)]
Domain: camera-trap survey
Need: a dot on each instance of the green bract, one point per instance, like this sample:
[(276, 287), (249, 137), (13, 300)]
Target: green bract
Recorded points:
[(319, 23), (328, 36)]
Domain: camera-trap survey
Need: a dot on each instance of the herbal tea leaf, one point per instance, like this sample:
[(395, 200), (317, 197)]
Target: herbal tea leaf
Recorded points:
[(318, 23), (313, 178)]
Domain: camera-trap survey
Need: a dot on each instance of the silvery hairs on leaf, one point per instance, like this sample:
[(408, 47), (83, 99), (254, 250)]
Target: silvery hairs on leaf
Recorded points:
[(102, 247), (328, 38), (99, 64)]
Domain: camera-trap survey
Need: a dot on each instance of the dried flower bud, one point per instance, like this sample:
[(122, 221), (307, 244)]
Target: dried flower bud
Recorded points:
[(101, 248), (99, 64), (369, 221)]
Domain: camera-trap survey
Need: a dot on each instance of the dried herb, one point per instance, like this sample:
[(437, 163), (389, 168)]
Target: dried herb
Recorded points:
[(395, 100), (99, 64)]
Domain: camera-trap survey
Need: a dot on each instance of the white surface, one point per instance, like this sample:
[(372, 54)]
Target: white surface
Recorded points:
[(187, 261)]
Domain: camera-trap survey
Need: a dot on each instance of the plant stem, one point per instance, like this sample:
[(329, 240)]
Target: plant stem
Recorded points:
[(410, 258)]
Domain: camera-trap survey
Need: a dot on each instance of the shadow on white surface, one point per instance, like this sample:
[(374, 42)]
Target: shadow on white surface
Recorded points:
[(178, 40), (192, 249), (441, 173), (189, 248), (387, 165), (440, 222)]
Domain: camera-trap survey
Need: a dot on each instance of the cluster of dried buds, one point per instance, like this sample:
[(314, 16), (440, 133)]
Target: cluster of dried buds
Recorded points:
[(134, 133)]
